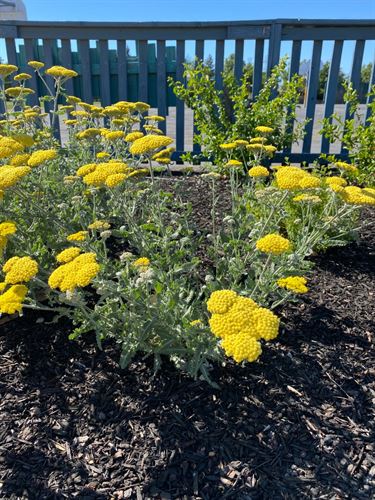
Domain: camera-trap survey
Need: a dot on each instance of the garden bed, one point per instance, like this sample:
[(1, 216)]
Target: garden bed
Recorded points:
[(295, 424)]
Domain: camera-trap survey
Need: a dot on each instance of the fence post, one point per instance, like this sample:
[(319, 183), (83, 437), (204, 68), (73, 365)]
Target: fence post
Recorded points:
[(274, 46)]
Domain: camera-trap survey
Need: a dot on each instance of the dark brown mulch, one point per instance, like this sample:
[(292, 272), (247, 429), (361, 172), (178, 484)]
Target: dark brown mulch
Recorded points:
[(297, 424)]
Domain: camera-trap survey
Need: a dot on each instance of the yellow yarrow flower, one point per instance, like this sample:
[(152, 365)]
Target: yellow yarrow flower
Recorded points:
[(77, 273), (296, 284), (234, 163), (263, 129), (35, 64), (99, 225), (18, 91), (142, 262), (347, 167), (241, 347), (273, 244), (68, 255), (20, 270), (133, 136), (102, 154), (9, 176), (22, 76), (11, 301), (307, 198), (149, 144), (60, 72), (228, 146), (41, 156), (258, 171), (7, 228), (335, 180), (115, 179), (78, 236), (7, 69)]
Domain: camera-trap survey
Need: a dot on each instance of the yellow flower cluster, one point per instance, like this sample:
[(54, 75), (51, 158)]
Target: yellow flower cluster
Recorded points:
[(78, 272), (347, 167), (12, 299), (263, 129), (6, 230), (10, 175), (273, 244), (60, 72), (114, 135), (149, 144), (234, 163), (9, 147), (19, 270), (133, 136), (240, 323), (354, 195), (36, 64), (228, 146), (18, 91), (307, 198), (41, 156), (295, 178), (89, 133), (24, 139), (296, 284), (99, 225), (19, 160), (7, 69), (105, 173), (68, 255), (79, 236), (258, 171), (142, 263), (334, 180)]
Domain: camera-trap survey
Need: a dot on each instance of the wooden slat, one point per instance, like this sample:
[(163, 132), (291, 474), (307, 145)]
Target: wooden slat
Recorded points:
[(258, 67), (143, 71), (238, 59), (219, 64), (180, 105), (370, 99), (161, 82), (274, 47), (122, 66), (355, 76), (331, 90), (294, 69), (199, 54), (48, 60), (66, 59), (32, 83), (84, 56), (105, 92), (10, 45), (312, 94)]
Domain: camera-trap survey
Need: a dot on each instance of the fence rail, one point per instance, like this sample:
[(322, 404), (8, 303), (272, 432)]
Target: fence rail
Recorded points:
[(109, 74)]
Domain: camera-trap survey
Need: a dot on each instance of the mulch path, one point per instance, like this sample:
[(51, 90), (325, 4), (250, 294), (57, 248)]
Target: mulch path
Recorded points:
[(297, 424)]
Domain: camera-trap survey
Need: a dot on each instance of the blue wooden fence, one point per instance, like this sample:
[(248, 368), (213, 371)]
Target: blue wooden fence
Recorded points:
[(110, 74)]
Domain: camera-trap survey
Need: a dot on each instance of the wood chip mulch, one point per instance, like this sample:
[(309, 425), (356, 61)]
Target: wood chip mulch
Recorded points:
[(297, 424)]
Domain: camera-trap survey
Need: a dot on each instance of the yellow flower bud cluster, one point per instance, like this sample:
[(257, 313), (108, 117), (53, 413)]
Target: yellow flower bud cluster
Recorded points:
[(142, 263), (60, 72), (7, 69), (307, 198), (149, 144), (79, 236), (295, 178), (240, 323), (78, 272), (273, 244), (133, 136), (347, 167), (89, 133), (263, 129), (296, 284), (99, 225), (106, 173), (334, 181), (19, 270), (41, 156), (12, 299), (9, 175), (258, 171), (354, 195), (6, 230), (18, 91), (234, 163), (9, 147)]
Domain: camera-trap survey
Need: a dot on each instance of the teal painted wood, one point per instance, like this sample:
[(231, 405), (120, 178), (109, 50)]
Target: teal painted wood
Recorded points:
[(122, 70), (32, 83), (355, 75), (370, 98), (180, 105), (238, 59), (105, 93), (274, 46), (66, 61), (143, 72), (85, 73), (312, 94), (258, 67), (331, 90), (199, 54), (219, 64), (293, 70), (161, 83)]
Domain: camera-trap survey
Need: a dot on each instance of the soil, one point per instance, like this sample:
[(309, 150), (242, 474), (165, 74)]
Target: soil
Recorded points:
[(297, 424)]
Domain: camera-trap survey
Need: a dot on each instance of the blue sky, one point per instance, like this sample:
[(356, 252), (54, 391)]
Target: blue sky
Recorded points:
[(195, 10)]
